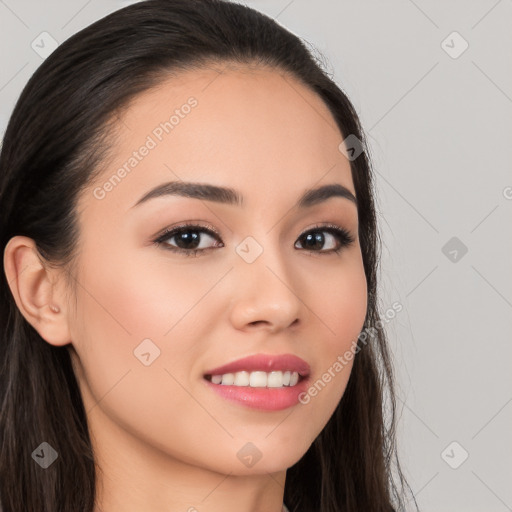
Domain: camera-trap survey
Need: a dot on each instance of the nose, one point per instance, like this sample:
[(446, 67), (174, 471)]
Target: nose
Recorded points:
[(265, 294)]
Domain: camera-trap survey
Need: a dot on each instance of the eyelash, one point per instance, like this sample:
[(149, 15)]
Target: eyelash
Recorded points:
[(343, 237)]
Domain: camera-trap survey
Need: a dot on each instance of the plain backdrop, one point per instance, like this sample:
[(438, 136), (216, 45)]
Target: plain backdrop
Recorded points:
[(432, 82)]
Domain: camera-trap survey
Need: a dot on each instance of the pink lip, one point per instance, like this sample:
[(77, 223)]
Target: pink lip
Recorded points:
[(264, 363), (266, 399)]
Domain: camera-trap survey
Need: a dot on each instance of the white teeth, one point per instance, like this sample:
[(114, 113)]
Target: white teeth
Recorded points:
[(275, 379), (241, 379), (257, 379), (228, 379)]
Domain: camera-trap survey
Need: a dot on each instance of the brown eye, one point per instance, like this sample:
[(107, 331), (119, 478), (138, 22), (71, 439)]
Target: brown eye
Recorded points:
[(189, 239), (314, 239)]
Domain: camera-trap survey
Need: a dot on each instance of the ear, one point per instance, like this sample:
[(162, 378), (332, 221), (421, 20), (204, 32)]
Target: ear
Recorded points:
[(37, 290)]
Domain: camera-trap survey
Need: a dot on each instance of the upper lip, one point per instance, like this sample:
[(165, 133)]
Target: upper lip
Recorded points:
[(264, 363)]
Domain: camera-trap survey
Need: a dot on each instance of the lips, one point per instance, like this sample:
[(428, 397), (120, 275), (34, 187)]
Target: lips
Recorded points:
[(264, 363)]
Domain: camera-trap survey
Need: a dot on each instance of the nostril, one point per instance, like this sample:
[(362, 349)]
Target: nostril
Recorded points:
[(257, 322)]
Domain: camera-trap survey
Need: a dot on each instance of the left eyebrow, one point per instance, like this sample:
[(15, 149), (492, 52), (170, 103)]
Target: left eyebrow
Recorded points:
[(229, 196)]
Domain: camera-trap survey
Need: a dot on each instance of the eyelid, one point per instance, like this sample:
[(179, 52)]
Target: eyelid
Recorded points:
[(327, 226), (187, 224)]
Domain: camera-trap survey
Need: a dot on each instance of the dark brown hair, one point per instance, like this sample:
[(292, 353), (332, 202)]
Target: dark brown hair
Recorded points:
[(55, 143)]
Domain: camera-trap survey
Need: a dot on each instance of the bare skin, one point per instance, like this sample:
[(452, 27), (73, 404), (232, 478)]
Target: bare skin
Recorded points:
[(164, 441)]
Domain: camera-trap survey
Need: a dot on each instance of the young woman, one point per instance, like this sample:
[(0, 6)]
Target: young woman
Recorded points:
[(189, 298)]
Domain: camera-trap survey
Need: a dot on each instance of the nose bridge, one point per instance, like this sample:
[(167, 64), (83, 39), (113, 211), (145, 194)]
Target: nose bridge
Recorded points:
[(266, 286)]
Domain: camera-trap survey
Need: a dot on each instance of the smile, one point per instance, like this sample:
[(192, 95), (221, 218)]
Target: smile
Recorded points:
[(256, 379)]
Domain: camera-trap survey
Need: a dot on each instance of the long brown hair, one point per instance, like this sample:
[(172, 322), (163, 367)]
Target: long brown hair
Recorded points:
[(55, 141)]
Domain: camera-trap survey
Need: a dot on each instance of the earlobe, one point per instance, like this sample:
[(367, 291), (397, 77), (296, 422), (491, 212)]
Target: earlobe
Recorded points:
[(35, 293)]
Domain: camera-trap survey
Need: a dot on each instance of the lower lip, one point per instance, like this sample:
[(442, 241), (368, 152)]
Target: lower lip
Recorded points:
[(266, 399)]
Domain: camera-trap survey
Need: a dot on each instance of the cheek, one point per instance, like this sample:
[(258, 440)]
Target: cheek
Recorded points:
[(142, 296), (340, 304), (129, 308), (118, 310), (342, 310)]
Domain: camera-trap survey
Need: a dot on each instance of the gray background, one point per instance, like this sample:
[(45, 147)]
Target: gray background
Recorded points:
[(439, 124)]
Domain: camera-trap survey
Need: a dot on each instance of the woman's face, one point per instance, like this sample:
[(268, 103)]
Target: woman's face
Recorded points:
[(151, 322)]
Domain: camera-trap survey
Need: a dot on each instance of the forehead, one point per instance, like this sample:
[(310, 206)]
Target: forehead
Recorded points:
[(250, 128)]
